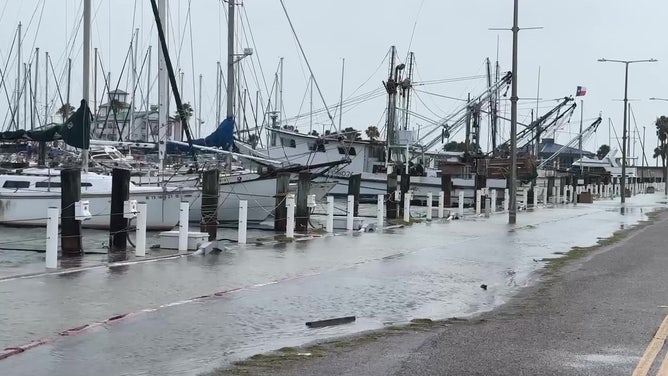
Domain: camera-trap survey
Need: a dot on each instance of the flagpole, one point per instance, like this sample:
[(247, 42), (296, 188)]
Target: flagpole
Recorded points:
[(580, 141)]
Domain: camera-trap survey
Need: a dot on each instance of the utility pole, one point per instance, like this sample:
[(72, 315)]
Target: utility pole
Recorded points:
[(512, 207)]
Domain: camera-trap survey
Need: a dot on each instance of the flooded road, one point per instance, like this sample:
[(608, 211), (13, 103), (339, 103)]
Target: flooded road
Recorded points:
[(267, 292)]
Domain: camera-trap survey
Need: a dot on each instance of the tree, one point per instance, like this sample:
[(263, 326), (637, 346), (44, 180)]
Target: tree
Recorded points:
[(455, 146), (65, 111), (662, 150), (372, 133), (602, 151), (187, 112)]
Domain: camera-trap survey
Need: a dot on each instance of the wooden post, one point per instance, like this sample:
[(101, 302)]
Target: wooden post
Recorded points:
[(480, 183), (118, 224), (391, 201), (446, 187), (41, 157), (550, 188), (354, 185), (405, 187), (280, 212), (210, 193), (70, 234), (302, 212)]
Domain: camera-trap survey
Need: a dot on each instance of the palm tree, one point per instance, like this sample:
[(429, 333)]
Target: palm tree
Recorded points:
[(662, 150), (187, 112), (65, 111), (373, 133)]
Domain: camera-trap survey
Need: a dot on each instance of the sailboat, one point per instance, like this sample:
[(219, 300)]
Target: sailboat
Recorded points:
[(26, 194)]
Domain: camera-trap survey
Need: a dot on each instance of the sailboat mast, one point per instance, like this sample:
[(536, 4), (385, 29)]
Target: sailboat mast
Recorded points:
[(343, 69), (163, 95), (148, 93), (131, 128), (230, 59), (33, 111), (18, 78), (86, 73), (390, 87)]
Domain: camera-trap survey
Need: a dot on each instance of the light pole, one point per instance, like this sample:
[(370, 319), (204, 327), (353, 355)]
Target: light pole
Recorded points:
[(626, 63)]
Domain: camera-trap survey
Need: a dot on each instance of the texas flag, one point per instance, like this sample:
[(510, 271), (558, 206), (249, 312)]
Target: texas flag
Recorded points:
[(580, 91)]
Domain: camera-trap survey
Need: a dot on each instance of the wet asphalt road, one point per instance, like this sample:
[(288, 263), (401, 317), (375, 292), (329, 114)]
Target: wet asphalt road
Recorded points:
[(595, 318), (427, 270)]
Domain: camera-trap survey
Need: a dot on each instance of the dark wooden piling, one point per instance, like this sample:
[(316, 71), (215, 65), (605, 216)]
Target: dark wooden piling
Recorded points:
[(302, 209), (354, 186), (118, 224), (70, 234), (210, 194), (281, 211), (480, 183), (391, 208), (446, 187), (405, 186), (550, 188), (41, 154)]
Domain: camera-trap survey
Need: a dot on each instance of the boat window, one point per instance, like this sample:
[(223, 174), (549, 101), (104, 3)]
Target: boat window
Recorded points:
[(86, 184), (316, 146), (351, 150), (47, 184), (290, 142), (16, 184)]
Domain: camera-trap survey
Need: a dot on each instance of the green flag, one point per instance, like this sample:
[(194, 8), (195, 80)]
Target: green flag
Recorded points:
[(76, 130)]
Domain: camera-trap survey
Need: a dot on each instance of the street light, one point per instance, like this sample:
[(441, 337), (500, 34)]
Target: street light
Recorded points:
[(626, 63)]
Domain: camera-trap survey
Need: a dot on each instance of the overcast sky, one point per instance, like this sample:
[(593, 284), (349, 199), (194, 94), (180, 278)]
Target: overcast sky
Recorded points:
[(450, 39)]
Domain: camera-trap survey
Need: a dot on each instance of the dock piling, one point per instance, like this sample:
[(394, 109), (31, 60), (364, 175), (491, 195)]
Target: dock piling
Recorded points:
[(280, 211), (118, 222), (290, 217), (354, 185), (70, 234), (350, 213), (302, 210), (243, 219), (407, 206), (460, 203), (478, 201), (506, 199), (429, 205), (183, 226), (140, 246), (379, 212), (441, 196), (330, 215), (391, 201), (52, 238), (210, 194), (494, 194)]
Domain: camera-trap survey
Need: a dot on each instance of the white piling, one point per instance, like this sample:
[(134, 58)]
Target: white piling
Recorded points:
[(429, 205), (478, 201), (441, 202), (534, 197), (494, 194), (183, 226), (290, 220), (52, 238), (545, 196), (351, 211), (526, 199), (329, 227), (380, 212), (243, 221), (407, 207), (488, 207), (557, 199), (460, 203), (140, 245), (506, 199)]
